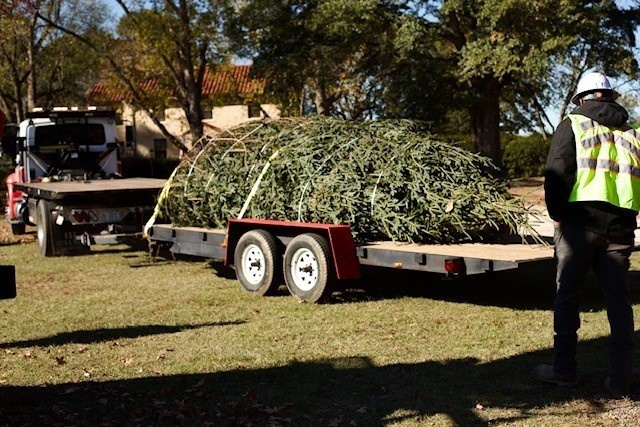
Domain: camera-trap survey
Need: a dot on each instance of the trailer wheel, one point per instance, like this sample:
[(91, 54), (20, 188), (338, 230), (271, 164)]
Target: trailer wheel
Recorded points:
[(258, 262), (18, 229), (44, 230), (308, 268)]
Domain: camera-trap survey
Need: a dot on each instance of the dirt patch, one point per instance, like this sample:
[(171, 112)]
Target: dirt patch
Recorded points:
[(532, 189)]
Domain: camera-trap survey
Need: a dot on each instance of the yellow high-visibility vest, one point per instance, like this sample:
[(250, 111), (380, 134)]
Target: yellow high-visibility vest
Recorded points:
[(608, 160)]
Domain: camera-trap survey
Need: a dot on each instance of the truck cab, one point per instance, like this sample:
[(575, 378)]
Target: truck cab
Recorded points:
[(67, 144), (60, 144)]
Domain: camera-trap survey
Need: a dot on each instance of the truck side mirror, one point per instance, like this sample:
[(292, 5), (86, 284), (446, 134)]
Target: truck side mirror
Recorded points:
[(128, 134)]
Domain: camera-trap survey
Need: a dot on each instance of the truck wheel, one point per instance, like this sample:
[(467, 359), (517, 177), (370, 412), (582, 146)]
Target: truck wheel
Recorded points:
[(308, 268), (18, 229), (258, 262), (44, 231)]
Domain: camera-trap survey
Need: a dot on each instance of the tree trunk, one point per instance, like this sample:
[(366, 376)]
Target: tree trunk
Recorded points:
[(193, 104), (31, 77), (485, 118), (321, 102)]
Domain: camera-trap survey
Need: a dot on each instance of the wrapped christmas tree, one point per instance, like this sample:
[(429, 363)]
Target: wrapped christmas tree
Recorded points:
[(387, 179)]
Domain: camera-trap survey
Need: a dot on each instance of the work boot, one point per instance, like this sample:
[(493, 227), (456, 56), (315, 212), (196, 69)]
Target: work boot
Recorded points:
[(547, 374), (615, 392)]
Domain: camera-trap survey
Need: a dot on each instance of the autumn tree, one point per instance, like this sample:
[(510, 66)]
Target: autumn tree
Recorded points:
[(173, 39), (40, 67), (179, 40)]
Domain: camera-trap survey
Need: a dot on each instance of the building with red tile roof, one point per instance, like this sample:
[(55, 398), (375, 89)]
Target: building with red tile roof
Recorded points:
[(230, 93)]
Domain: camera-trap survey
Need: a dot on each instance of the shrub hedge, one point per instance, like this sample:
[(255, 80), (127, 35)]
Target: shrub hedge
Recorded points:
[(524, 156)]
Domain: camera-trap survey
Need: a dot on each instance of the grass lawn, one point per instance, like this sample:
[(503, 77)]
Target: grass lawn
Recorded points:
[(114, 338)]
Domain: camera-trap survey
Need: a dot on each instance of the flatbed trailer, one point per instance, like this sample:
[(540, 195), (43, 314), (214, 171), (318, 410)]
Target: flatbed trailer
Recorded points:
[(310, 257), (73, 215)]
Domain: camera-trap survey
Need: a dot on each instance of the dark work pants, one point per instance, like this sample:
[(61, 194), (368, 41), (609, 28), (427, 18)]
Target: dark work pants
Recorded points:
[(576, 251)]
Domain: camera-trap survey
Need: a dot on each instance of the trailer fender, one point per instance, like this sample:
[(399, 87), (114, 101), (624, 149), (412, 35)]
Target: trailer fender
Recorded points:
[(343, 249)]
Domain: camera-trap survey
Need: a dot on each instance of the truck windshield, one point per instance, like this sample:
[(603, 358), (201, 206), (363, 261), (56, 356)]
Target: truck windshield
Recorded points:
[(66, 134)]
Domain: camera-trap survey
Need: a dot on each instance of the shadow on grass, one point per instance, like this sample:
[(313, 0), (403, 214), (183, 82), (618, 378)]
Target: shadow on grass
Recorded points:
[(530, 287), (337, 392), (102, 335)]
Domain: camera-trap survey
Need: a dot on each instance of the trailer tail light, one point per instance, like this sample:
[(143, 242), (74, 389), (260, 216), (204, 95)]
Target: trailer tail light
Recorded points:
[(81, 216), (454, 266)]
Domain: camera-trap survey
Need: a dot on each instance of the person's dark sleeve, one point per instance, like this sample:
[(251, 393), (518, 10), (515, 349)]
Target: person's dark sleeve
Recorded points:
[(560, 170)]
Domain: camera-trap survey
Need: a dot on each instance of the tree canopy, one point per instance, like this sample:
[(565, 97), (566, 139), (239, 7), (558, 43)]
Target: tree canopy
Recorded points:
[(482, 67), (40, 66)]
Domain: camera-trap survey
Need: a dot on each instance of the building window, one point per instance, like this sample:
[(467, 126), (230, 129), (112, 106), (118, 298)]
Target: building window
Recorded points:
[(254, 110), (160, 148)]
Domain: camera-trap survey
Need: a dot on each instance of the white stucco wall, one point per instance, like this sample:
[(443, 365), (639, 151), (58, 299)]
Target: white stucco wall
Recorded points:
[(146, 132)]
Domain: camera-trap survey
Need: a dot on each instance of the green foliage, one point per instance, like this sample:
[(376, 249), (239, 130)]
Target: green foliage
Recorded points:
[(387, 179), (525, 156), (5, 169), (41, 66), (348, 59), (68, 70)]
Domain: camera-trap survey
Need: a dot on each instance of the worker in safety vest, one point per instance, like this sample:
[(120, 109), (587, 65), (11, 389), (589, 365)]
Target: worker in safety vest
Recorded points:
[(592, 192)]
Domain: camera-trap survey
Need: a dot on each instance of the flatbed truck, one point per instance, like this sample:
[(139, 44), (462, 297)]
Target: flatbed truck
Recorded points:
[(68, 182), (310, 257)]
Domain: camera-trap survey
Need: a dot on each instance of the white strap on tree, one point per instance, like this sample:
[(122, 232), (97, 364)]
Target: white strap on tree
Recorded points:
[(256, 184), (156, 211)]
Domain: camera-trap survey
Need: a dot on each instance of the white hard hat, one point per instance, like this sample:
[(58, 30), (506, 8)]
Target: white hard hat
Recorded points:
[(593, 82)]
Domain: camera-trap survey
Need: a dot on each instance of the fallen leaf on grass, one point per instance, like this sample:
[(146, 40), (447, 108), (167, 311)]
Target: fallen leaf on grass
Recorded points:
[(60, 360)]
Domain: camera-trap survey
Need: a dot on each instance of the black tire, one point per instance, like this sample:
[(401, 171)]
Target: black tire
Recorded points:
[(44, 229), (18, 229), (258, 262), (308, 268)]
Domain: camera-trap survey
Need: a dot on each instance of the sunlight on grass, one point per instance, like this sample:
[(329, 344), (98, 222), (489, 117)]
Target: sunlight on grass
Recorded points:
[(117, 338)]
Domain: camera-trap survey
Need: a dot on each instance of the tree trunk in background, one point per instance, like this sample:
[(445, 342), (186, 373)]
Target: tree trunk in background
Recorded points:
[(31, 80), (31, 58), (321, 102), (485, 118)]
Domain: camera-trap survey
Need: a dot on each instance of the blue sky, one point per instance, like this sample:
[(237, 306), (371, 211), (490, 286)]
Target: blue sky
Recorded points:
[(115, 7)]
